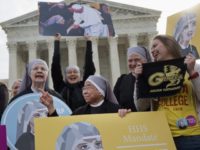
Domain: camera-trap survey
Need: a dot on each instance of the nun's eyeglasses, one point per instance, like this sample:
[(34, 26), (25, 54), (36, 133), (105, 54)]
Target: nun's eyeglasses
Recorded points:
[(86, 87)]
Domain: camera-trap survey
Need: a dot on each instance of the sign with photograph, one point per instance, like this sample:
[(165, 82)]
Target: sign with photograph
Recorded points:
[(138, 131), (163, 78), (19, 116), (75, 19), (184, 27)]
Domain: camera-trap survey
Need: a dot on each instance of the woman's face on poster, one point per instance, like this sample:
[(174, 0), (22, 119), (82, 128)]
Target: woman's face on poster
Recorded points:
[(89, 143), (189, 29)]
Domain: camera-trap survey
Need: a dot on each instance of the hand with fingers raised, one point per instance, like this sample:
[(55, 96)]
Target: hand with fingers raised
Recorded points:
[(47, 100)]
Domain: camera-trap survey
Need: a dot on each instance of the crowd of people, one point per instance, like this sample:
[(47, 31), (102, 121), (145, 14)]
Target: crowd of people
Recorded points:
[(94, 95)]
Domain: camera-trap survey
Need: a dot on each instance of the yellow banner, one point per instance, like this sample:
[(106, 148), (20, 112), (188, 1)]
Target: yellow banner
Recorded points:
[(138, 131), (185, 27)]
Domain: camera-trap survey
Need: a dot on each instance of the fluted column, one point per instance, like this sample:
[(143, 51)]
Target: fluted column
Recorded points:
[(132, 40), (32, 50), (114, 59), (13, 67), (150, 39), (50, 44), (72, 56), (95, 54)]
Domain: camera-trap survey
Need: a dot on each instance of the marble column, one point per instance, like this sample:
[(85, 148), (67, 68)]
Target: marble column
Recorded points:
[(132, 40), (13, 67), (50, 44), (72, 56), (32, 50), (95, 54), (150, 39), (114, 59)]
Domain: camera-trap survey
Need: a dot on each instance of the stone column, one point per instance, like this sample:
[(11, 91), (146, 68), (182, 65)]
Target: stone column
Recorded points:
[(32, 50), (114, 59), (95, 54), (50, 45), (132, 40), (150, 39), (72, 56), (13, 67)]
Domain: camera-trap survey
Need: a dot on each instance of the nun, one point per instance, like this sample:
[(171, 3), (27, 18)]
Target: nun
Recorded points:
[(35, 81), (125, 85), (99, 97)]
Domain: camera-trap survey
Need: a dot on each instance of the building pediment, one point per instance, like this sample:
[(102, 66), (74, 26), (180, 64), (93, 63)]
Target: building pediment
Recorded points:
[(118, 11)]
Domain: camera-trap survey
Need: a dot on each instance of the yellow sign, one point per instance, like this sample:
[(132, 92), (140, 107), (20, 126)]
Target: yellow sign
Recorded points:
[(184, 27), (138, 131)]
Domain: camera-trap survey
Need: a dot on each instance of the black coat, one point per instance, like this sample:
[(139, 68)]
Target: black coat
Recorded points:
[(72, 93), (123, 91), (106, 107)]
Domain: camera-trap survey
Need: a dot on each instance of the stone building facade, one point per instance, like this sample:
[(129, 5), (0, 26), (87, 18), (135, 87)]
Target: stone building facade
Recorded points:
[(133, 26)]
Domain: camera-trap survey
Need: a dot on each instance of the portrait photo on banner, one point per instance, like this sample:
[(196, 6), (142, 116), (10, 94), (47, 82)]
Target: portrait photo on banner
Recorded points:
[(184, 26), (19, 119), (160, 79), (104, 132), (75, 19)]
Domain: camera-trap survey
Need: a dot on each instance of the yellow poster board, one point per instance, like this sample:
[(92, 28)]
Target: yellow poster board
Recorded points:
[(138, 131), (181, 22)]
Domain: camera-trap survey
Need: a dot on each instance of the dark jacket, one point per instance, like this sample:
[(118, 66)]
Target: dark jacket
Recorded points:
[(72, 93), (106, 107), (123, 91)]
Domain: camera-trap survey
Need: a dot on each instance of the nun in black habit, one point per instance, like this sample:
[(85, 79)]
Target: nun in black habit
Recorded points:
[(99, 97)]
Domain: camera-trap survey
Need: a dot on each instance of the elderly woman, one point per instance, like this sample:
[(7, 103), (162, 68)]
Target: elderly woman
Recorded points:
[(35, 81), (125, 85), (98, 96), (70, 86), (184, 32), (79, 136)]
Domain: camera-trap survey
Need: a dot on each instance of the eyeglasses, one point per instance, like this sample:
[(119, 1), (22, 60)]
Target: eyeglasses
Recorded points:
[(86, 87)]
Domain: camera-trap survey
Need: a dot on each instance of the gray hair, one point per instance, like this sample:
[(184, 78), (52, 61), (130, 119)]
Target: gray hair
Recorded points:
[(72, 67)]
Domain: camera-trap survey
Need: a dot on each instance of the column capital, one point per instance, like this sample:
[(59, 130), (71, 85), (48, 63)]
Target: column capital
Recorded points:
[(113, 39), (71, 41), (50, 44), (133, 35), (12, 46), (133, 39), (94, 40), (31, 45)]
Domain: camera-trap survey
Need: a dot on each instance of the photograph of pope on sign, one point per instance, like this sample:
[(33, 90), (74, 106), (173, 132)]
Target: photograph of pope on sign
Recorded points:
[(75, 19)]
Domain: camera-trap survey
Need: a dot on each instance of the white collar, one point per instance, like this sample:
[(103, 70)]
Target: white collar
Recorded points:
[(98, 104), (34, 90)]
